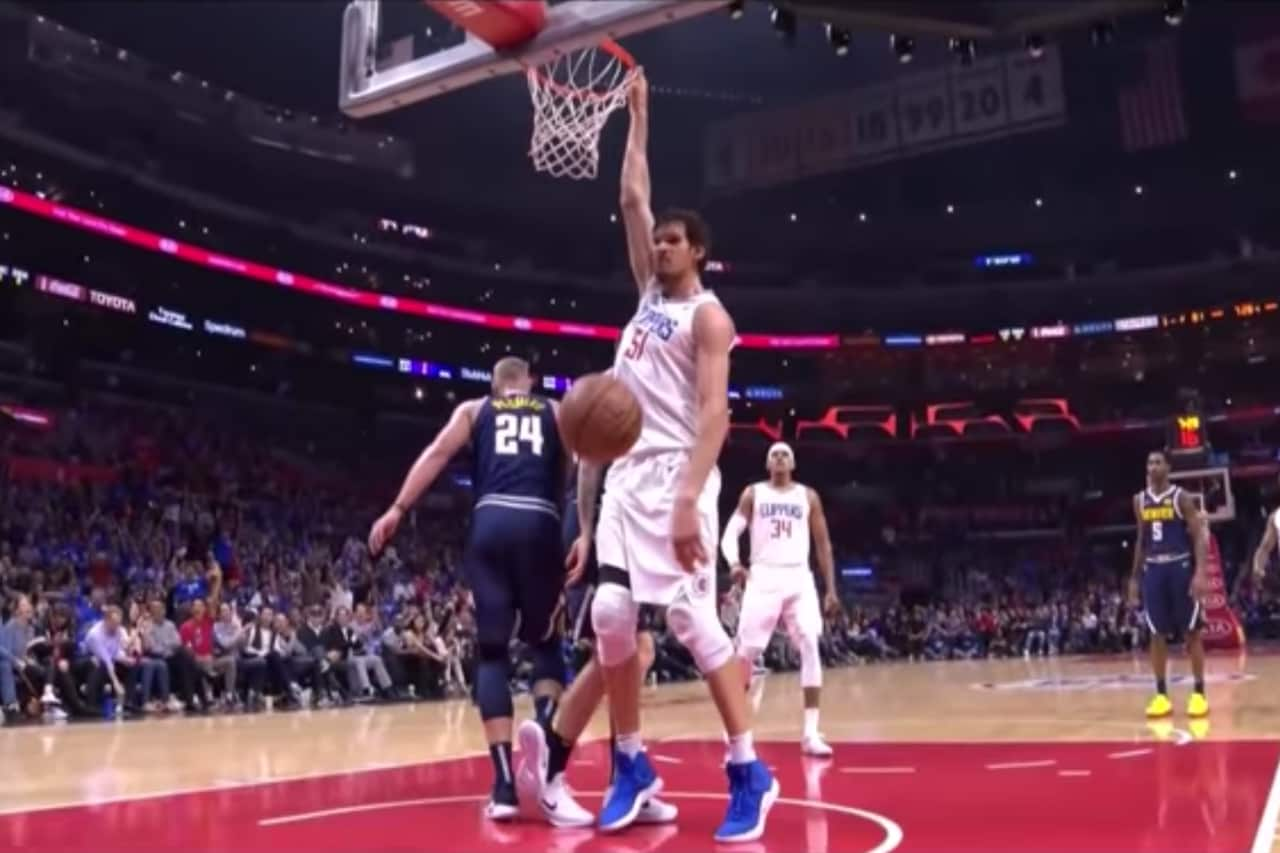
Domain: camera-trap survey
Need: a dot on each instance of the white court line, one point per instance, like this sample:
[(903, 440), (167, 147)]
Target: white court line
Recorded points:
[(1075, 772), (1265, 837), (877, 769), (1020, 765), (667, 759), (892, 831), (1130, 753)]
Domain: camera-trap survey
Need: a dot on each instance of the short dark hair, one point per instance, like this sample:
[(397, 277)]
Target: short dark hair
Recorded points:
[(696, 230), (1162, 453)]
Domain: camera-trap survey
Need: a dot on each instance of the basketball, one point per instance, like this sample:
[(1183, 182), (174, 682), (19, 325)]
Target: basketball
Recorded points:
[(600, 418)]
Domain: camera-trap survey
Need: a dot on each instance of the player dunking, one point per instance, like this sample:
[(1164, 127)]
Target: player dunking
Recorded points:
[(781, 515), (1170, 528), (513, 554), (656, 536)]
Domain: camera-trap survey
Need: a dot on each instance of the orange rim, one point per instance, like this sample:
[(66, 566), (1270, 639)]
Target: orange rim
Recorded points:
[(610, 47)]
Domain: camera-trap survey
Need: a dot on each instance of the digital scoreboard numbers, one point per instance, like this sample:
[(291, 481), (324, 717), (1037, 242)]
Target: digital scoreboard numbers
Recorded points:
[(1188, 438)]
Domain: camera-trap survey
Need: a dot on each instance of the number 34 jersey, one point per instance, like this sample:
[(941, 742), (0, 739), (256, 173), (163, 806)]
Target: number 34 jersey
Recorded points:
[(656, 360), (779, 526), (517, 457)]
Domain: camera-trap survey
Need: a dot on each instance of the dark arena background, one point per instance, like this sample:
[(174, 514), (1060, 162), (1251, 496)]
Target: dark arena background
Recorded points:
[(982, 259)]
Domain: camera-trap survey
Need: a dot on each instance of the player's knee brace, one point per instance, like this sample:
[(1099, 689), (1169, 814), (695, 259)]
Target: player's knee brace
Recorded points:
[(613, 616), (699, 630), (493, 677), (810, 660), (548, 664)]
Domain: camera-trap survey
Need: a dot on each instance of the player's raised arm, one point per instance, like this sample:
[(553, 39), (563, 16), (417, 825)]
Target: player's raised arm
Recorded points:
[(729, 543), (637, 210), (825, 553), (452, 438), (1266, 548), (1139, 555)]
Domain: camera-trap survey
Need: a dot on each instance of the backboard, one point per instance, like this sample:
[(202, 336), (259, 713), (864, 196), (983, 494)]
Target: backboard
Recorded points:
[(371, 83), (1211, 489)]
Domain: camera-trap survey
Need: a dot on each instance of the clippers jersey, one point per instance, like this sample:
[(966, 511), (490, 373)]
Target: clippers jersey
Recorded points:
[(1164, 530), (517, 458), (655, 359), (779, 526)]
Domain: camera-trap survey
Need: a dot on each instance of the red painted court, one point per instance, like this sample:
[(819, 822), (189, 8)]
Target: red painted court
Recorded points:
[(1198, 797)]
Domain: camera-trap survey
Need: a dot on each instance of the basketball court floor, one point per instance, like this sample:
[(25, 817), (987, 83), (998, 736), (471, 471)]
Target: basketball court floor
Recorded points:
[(987, 757)]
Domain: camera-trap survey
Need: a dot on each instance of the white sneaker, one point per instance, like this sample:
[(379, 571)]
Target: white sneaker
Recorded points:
[(554, 798), (815, 746), (174, 705), (501, 811), (559, 808), (54, 714), (657, 811), (48, 697)]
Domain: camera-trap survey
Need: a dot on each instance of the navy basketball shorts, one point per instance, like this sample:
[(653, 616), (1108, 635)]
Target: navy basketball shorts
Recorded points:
[(1166, 596), (514, 565)]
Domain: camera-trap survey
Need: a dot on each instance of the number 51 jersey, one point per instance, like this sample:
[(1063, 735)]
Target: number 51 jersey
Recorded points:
[(518, 462)]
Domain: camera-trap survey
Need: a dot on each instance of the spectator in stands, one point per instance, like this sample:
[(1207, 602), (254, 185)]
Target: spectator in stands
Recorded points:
[(301, 670), (344, 638), (151, 676), (163, 644), (108, 660), (226, 646), (16, 667), (312, 637), (57, 654), (425, 657), (260, 667)]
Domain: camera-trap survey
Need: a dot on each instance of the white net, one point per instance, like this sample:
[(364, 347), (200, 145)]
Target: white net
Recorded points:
[(573, 96)]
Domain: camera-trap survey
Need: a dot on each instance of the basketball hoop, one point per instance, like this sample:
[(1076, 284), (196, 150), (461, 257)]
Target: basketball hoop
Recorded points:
[(573, 96)]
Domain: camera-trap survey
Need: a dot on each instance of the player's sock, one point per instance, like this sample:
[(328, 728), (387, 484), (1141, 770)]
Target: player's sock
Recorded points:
[(1161, 687), (544, 708), (1199, 686), (742, 748), (558, 750), (810, 722), (500, 753), (630, 745), (613, 756)]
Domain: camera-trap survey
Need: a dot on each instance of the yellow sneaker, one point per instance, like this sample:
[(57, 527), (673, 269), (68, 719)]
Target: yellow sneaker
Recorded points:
[(1197, 705), (1160, 706)]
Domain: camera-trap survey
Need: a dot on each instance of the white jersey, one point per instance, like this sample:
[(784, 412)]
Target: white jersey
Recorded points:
[(779, 526), (1275, 521), (656, 360)]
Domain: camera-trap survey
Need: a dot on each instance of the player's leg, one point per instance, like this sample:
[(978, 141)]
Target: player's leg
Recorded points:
[(757, 620), (802, 615), (1190, 619), (538, 572), (495, 620), (1160, 622)]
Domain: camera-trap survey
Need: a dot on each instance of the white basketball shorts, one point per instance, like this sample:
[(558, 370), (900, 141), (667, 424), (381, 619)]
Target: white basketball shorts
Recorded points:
[(778, 593), (634, 531)]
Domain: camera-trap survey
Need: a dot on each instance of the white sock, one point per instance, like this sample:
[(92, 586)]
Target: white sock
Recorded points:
[(810, 722), (742, 748), (630, 745)]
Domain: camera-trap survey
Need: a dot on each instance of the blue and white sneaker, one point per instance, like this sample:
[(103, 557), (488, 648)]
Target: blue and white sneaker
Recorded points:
[(634, 783), (752, 792)]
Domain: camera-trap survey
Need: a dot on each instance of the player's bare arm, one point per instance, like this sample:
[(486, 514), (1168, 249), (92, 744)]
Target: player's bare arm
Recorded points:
[(713, 335), (1198, 529), (729, 544), (1266, 548), (590, 477), (637, 209), (452, 438), (1139, 554), (826, 555)]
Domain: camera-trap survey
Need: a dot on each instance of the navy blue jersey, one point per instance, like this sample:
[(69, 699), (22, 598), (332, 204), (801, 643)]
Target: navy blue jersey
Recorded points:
[(1164, 530), (517, 457)]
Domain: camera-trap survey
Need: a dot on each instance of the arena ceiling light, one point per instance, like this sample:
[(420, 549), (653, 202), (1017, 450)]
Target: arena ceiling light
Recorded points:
[(839, 38), (964, 50), (1174, 12), (784, 22), (903, 47), (737, 8), (1034, 43)]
